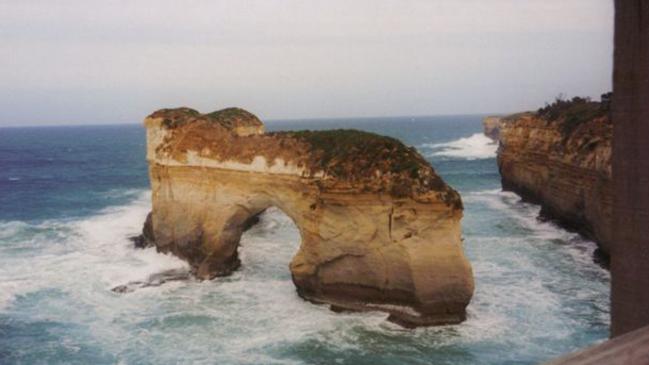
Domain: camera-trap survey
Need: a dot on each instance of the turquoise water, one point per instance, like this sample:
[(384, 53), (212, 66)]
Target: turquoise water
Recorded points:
[(71, 196)]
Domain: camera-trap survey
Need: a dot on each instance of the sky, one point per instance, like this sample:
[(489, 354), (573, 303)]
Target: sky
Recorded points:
[(102, 62)]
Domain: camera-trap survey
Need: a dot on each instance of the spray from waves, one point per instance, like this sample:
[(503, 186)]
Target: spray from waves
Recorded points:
[(74, 255), (476, 147), (533, 279), (527, 216), (62, 272), (552, 251)]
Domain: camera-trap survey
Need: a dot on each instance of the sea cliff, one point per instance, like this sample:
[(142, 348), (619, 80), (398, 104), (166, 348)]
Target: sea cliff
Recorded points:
[(560, 158), (380, 229)]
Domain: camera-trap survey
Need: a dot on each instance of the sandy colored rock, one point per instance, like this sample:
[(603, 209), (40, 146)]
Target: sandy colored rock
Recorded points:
[(380, 230), (564, 167), (491, 127)]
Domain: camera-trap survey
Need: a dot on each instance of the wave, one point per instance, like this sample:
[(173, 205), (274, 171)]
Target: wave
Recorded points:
[(527, 217), (525, 265), (78, 255), (476, 147), (62, 271)]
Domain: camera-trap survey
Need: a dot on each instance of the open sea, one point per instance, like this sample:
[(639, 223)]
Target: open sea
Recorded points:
[(71, 196)]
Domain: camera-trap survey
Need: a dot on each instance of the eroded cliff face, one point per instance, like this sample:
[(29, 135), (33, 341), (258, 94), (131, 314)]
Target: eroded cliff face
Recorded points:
[(564, 165), (380, 230)]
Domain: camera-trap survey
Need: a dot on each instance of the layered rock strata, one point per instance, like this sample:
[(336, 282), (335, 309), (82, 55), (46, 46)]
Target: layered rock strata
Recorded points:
[(563, 164), (380, 230)]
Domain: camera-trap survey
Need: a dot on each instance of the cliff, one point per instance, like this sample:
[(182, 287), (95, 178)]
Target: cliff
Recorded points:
[(560, 158), (380, 230)]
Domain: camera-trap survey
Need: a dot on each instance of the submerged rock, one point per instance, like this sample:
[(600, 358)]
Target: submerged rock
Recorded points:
[(154, 280), (380, 229)]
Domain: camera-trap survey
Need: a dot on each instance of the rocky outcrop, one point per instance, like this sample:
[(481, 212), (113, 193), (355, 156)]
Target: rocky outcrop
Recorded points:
[(380, 230), (491, 127), (560, 158)]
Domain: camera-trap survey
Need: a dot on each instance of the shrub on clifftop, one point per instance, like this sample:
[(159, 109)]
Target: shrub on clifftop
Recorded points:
[(571, 113)]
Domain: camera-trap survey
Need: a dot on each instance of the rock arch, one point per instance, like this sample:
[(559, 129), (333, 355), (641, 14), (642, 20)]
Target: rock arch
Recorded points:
[(380, 230)]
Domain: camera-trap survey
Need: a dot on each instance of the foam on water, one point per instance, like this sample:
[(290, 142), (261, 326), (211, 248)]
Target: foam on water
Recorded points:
[(477, 146), (58, 253), (562, 261), (537, 294)]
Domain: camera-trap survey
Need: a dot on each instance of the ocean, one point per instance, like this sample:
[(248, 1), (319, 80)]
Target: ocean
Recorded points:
[(70, 198)]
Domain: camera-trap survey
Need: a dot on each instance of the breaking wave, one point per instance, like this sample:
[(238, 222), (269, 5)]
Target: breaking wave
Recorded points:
[(477, 146), (57, 275)]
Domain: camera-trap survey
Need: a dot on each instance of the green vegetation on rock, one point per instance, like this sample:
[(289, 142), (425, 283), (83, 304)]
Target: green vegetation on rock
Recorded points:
[(571, 113), (360, 150), (231, 117), (350, 154)]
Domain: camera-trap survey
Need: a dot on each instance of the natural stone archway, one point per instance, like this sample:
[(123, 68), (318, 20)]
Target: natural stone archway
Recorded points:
[(380, 230)]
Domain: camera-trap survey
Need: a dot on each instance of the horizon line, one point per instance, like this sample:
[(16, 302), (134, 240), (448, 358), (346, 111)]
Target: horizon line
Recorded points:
[(270, 120)]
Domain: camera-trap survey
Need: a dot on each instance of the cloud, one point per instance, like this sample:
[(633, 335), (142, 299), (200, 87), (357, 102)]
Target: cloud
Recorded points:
[(297, 58)]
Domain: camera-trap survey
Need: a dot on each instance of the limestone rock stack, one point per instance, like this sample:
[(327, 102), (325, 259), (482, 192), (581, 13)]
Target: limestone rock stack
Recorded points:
[(380, 230)]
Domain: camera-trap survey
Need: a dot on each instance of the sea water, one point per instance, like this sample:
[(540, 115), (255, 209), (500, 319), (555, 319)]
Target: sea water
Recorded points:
[(70, 197)]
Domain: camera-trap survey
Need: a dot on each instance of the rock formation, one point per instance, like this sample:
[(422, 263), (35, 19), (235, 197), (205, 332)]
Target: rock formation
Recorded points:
[(380, 230), (491, 127), (560, 157)]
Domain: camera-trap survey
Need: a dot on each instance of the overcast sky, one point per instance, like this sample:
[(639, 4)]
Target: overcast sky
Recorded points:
[(87, 62)]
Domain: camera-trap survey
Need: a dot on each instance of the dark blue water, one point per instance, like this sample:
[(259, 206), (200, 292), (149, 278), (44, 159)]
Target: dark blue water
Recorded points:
[(70, 197), (55, 172)]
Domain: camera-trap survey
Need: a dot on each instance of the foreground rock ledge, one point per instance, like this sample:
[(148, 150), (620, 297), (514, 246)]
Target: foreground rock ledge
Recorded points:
[(380, 230)]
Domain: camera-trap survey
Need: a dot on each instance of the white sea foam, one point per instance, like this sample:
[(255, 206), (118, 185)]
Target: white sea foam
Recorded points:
[(526, 215), (477, 146), (65, 270), (73, 254), (549, 250), (534, 266)]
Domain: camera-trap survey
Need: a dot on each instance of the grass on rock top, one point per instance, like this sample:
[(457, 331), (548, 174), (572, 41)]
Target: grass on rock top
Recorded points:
[(231, 116), (228, 117), (345, 152), (570, 114)]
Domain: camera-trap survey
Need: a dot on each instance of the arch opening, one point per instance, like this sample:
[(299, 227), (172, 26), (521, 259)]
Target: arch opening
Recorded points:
[(268, 244), (241, 217)]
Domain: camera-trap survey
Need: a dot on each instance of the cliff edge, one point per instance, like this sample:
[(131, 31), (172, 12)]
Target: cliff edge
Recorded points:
[(560, 158), (380, 230)]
